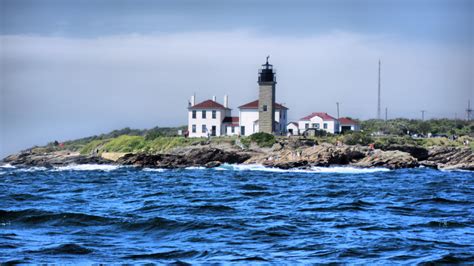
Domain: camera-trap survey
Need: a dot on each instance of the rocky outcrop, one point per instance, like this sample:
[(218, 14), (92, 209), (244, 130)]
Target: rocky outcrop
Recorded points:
[(207, 157), (50, 159), (450, 158), (388, 159), (417, 152), (285, 155)]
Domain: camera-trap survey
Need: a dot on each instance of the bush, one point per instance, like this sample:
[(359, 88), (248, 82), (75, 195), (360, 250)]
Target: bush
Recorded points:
[(357, 138), (262, 139)]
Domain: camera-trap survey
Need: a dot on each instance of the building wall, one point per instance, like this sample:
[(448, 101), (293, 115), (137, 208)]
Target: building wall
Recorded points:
[(294, 128), (246, 119), (208, 121), (318, 123), (354, 127), (266, 107), (228, 130)]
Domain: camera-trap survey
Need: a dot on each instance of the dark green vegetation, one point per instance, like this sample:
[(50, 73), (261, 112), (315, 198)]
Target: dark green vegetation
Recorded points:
[(401, 126), (163, 139), (262, 139)]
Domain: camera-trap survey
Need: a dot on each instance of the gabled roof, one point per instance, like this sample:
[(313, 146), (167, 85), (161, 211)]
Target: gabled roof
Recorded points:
[(231, 119), (347, 121), (254, 105), (324, 116), (208, 104)]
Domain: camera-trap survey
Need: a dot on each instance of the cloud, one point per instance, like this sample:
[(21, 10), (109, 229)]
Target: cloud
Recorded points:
[(62, 88)]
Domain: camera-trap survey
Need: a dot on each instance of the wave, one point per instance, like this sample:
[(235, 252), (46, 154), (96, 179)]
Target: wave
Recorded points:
[(173, 254), (71, 248), (34, 216), (153, 170), (316, 169), (7, 165), (87, 167)]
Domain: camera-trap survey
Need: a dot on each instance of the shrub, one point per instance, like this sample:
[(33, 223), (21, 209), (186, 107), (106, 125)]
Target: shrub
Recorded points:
[(262, 139), (357, 138)]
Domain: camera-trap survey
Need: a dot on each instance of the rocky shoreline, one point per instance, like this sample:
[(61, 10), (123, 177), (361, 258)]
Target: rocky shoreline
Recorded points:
[(286, 154)]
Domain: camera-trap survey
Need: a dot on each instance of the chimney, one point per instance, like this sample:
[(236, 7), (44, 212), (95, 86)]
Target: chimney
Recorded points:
[(214, 98), (193, 100), (226, 101)]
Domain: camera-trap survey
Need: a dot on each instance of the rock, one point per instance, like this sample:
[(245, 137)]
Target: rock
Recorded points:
[(207, 157), (388, 159), (212, 164), (419, 153), (450, 158), (50, 159)]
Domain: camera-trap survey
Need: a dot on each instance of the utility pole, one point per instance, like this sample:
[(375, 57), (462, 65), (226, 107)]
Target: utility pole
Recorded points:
[(386, 114), (378, 98), (468, 110), (423, 115), (337, 104)]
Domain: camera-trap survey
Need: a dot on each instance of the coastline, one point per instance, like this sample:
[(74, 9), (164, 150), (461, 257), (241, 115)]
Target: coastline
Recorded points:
[(286, 153)]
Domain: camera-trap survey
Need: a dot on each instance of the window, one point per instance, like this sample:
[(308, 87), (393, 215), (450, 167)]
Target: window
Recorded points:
[(204, 114), (214, 114), (194, 129), (325, 125), (242, 130), (306, 126), (194, 114), (204, 129), (233, 129), (315, 125), (265, 108)]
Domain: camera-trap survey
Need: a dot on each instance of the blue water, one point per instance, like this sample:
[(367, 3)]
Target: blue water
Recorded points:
[(91, 214)]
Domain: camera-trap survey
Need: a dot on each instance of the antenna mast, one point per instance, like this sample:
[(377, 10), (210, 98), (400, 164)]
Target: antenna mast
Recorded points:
[(378, 98), (337, 103), (468, 110), (423, 115)]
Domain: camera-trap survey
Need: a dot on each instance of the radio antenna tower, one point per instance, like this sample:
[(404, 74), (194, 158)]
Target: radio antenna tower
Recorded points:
[(379, 116), (468, 110)]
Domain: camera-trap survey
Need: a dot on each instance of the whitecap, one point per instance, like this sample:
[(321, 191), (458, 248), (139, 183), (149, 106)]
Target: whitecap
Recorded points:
[(195, 168), (331, 169), (7, 166), (87, 167), (154, 169)]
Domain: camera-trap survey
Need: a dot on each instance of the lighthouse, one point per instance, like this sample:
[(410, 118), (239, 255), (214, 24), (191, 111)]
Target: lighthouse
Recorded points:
[(266, 98)]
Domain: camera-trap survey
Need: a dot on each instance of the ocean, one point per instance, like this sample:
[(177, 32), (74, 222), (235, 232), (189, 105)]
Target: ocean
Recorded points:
[(235, 214)]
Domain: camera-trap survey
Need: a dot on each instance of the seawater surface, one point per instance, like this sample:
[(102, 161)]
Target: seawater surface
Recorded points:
[(235, 214)]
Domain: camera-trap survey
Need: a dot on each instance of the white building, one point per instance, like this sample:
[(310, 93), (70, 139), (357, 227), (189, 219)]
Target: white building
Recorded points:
[(248, 117), (292, 128), (321, 121), (347, 124), (207, 118)]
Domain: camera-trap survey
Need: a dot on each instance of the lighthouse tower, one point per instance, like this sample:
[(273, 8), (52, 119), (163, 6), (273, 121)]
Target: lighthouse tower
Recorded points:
[(266, 98)]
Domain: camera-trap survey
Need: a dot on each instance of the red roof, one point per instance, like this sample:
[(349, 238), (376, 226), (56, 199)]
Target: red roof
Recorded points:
[(347, 121), (254, 105), (324, 116), (208, 104), (231, 119)]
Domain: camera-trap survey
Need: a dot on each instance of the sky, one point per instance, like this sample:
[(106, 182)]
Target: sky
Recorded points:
[(70, 69)]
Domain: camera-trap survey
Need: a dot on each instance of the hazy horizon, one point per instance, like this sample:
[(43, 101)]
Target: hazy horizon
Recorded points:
[(71, 70)]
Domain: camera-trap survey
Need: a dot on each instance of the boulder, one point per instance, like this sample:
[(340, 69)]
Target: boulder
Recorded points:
[(450, 158), (388, 159)]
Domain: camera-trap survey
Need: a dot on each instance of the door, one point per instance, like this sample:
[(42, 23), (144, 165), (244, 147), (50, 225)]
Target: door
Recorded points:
[(213, 131)]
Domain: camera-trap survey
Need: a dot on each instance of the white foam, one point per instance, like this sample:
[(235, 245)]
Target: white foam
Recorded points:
[(195, 168), (32, 169), (87, 167), (332, 169), (7, 166), (154, 169)]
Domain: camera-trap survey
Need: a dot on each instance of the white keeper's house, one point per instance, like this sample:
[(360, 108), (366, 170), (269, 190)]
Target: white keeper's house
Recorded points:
[(319, 120), (210, 118)]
